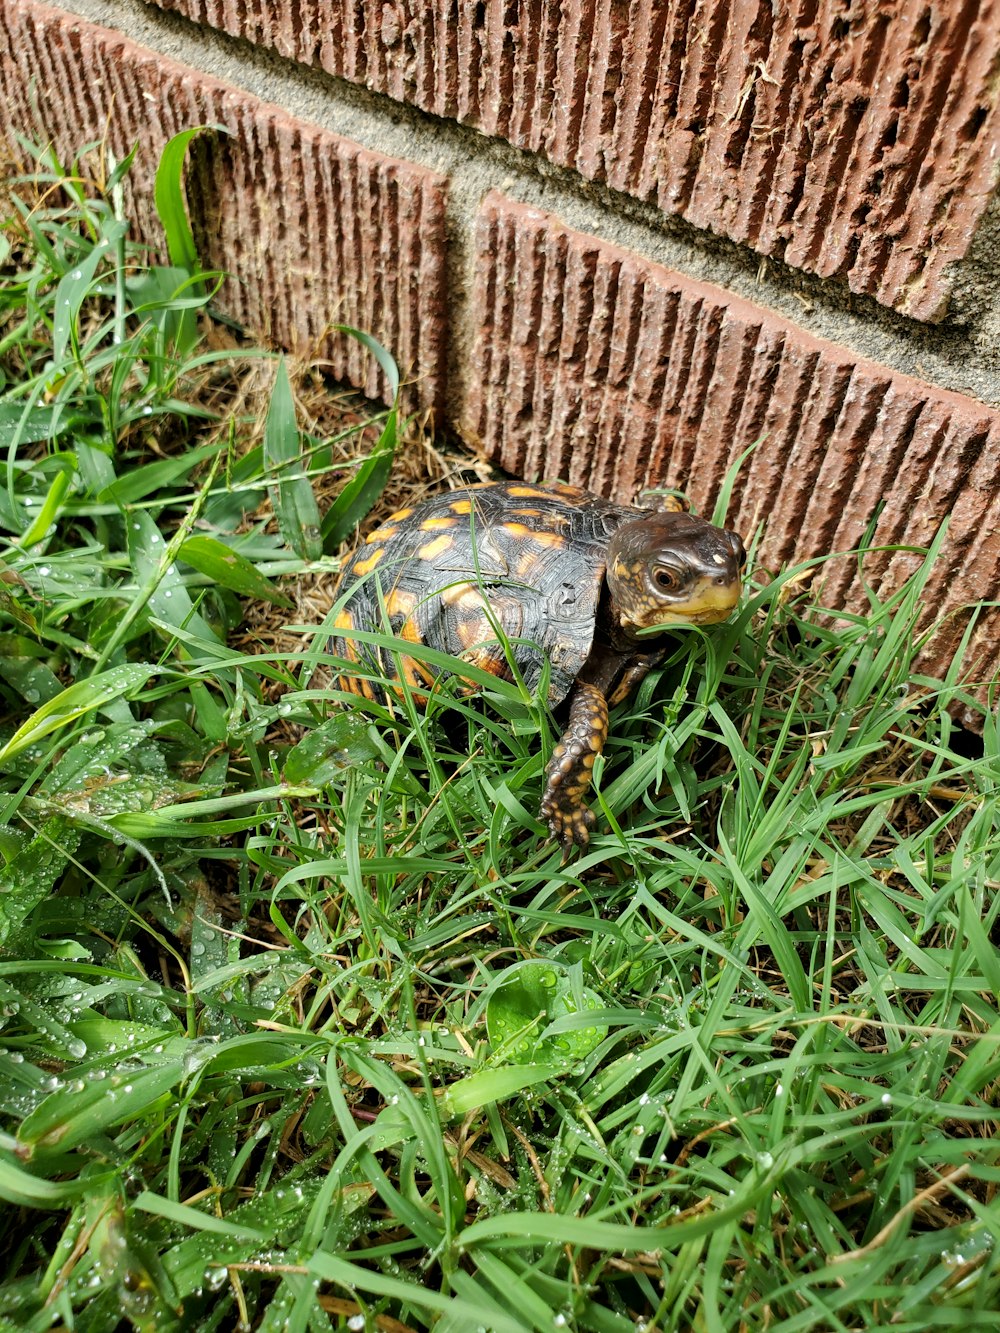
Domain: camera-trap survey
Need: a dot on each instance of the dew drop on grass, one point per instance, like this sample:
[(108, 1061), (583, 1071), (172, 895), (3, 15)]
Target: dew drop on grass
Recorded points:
[(887, 1099), (76, 1048), (765, 1160), (44, 571), (215, 1278)]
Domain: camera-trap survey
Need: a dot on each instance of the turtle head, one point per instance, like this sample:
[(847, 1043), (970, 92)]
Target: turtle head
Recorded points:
[(669, 569)]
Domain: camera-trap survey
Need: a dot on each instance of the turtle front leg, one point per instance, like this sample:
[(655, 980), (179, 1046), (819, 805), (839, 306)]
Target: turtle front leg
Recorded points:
[(569, 770)]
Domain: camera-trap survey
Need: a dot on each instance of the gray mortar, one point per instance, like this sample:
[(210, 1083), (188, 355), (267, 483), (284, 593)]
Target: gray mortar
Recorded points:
[(962, 353)]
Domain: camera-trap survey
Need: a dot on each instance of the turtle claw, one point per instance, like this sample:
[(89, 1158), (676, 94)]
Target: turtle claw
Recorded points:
[(569, 824)]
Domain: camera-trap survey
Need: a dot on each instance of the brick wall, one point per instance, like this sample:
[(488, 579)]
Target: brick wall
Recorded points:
[(614, 240)]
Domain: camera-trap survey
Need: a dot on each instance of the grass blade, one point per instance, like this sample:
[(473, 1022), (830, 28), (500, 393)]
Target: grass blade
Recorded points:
[(291, 493), (86, 696)]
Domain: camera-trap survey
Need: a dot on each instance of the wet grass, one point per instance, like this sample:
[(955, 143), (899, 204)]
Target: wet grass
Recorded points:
[(304, 1023)]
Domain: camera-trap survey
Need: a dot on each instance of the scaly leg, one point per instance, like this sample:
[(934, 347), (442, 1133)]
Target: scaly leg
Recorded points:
[(569, 770)]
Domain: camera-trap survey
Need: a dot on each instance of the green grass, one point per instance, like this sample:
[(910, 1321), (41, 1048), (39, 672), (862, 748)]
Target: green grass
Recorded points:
[(304, 1024)]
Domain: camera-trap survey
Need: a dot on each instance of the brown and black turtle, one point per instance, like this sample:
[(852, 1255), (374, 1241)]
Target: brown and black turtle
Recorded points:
[(567, 577)]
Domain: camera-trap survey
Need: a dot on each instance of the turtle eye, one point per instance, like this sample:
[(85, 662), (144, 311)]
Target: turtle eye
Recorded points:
[(667, 580)]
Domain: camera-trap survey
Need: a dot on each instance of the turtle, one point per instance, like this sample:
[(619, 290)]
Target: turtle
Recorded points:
[(579, 591)]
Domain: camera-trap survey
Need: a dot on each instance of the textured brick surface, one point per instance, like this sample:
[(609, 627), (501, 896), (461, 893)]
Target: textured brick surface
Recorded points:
[(618, 374), (312, 229), (851, 138)]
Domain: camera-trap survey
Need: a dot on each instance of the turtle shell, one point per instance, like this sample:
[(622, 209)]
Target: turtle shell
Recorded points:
[(527, 558)]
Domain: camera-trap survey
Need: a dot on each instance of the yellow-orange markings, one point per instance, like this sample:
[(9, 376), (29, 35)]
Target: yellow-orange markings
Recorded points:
[(380, 535), (430, 524), (464, 595), (400, 602), (363, 567), (530, 492), (554, 540), (415, 673), (436, 547), (487, 660), (461, 506), (527, 565)]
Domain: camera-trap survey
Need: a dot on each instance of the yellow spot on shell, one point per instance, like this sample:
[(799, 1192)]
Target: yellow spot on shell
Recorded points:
[(527, 565), (553, 540), (400, 514), (465, 595), (400, 602), (415, 674), (486, 659), (363, 567), (461, 506), (381, 535), (529, 492), (343, 620), (436, 547), (432, 524), (363, 687)]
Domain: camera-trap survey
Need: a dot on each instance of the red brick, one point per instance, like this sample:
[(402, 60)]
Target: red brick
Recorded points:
[(853, 140), (311, 229), (613, 372)]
